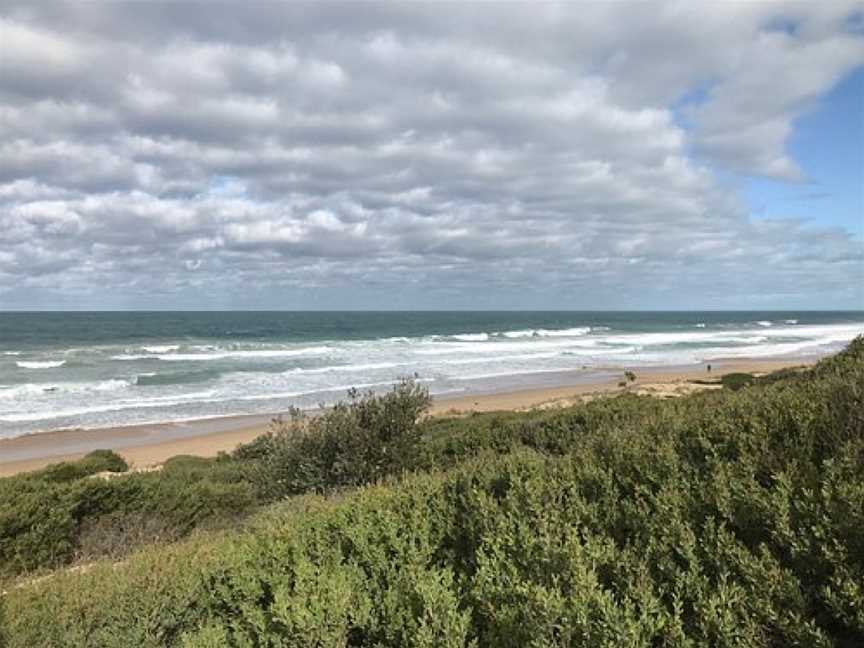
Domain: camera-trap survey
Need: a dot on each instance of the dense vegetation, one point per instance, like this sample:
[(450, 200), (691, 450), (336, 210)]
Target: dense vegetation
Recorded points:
[(74, 510), (729, 518)]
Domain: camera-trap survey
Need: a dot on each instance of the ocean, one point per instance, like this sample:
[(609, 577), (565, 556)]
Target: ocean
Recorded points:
[(103, 369)]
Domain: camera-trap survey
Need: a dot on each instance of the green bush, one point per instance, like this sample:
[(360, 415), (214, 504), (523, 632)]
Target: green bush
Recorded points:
[(92, 463), (352, 443), (736, 381), (45, 522)]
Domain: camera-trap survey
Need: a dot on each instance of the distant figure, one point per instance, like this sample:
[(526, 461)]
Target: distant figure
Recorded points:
[(709, 368)]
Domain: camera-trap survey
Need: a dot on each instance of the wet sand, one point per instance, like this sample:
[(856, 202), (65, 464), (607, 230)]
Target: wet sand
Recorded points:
[(146, 446)]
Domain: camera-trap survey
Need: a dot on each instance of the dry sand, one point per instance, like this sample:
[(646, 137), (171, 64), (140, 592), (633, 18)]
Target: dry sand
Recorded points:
[(146, 446)]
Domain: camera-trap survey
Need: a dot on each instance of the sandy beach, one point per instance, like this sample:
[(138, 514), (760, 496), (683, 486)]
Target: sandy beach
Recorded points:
[(146, 446)]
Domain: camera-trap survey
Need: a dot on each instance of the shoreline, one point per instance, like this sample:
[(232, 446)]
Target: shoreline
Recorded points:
[(146, 446)]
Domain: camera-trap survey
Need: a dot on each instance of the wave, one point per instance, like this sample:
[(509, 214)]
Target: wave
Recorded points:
[(528, 333), (499, 346), (471, 337), (175, 378), (323, 390), (604, 351), (693, 337), (765, 323), (700, 325), (11, 353), (223, 355), (45, 364), (164, 348), (346, 368), (500, 358), (790, 321), (31, 390), (114, 406)]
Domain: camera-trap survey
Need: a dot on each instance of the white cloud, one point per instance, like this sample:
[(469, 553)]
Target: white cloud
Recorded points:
[(484, 155)]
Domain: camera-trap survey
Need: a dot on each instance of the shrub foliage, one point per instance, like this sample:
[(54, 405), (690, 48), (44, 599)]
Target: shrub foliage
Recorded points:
[(352, 443)]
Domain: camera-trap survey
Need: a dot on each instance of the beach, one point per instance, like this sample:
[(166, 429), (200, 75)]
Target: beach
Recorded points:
[(145, 447)]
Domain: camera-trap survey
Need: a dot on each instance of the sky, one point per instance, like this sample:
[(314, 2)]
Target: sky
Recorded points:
[(432, 156)]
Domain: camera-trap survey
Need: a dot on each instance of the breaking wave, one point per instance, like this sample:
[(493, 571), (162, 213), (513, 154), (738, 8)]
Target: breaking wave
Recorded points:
[(42, 364)]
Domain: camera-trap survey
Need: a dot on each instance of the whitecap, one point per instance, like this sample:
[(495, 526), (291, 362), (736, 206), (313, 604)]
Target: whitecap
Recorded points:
[(568, 332), (164, 348), (519, 334), (349, 368), (471, 337), (323, 390), (114, 406), (222, 355), (45, 364), (31, 390), (529, 333)]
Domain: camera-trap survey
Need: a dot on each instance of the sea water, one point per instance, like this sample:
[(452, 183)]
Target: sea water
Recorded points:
[(101, 369)]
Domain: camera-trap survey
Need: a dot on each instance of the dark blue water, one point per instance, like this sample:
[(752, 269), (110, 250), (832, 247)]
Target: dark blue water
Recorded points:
[(80, 369)]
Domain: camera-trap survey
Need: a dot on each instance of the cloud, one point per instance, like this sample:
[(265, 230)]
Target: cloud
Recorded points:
[(382, 155)]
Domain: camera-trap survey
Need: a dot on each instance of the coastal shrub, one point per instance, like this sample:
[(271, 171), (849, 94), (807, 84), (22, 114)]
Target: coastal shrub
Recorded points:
[(91, 464), (113, 535), (353, 442), (46, 522), (513, 550), (735, 381), (222, 469)]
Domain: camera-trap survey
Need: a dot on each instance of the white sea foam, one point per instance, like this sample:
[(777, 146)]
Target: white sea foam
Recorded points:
[(570, 332), (790, 321), (475, 348), (163, 348), (531, 333), (226, 354), (31, 390), (323, 390), (765, 323), (700, 325), (42, 364), (519, 334), (11, 353), (347, 368), (471, 337), (112, 406), (500, 358)]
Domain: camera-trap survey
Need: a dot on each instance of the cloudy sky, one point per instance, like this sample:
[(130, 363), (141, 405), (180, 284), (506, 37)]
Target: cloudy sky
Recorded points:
[(603, 155)]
